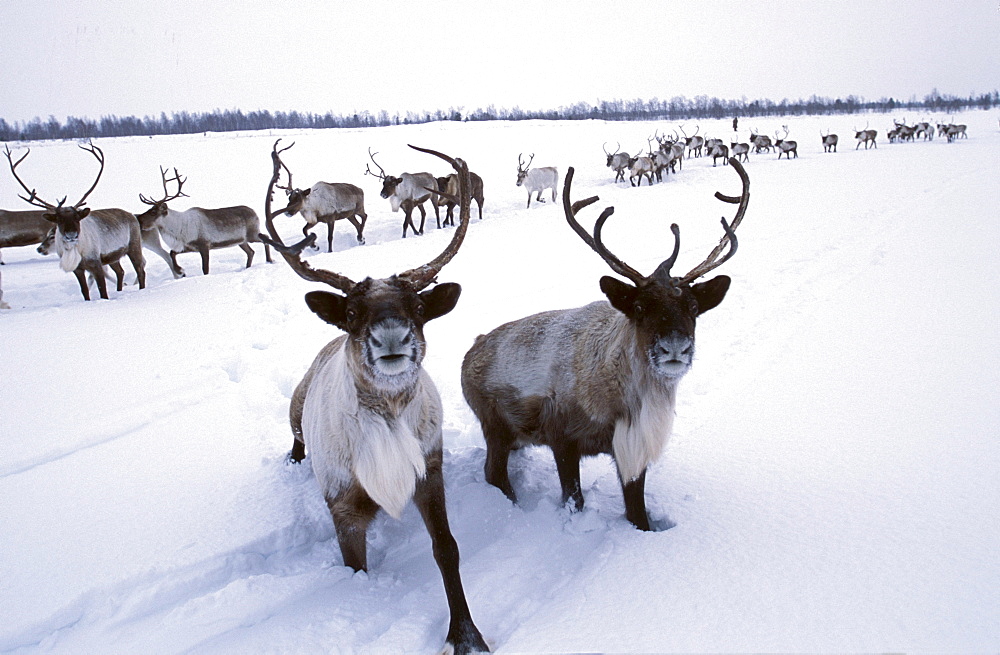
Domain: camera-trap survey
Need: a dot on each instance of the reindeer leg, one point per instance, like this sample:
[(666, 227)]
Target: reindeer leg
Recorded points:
[(352, 510), (102, 284), (361, 227), (203, 251), (568, 465), (463, 635), (635, 502), (329, 236), (247, 249), (81, 277), (423, 216), (119, 274)]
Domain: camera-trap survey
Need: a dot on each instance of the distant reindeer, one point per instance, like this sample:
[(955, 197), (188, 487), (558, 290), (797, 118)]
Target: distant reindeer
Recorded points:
[(866, 137), (327, 202), (22, 228), (88, 240), (617, 161), (719, 150), (925, 130), (600, 378), (904, 132), (694, 142), (829, 141), (784, 146), (640, 166), (536, 180), (740, 150), (761, 142), (200, 230), (955, 132), (448, 185), (369, 414), (409, 191)]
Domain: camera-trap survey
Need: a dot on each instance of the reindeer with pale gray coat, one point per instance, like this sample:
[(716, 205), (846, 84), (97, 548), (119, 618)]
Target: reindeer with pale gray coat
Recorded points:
[(368, 414)]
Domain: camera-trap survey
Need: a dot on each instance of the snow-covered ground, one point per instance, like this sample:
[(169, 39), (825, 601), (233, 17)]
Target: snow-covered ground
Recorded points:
[(833, 475)]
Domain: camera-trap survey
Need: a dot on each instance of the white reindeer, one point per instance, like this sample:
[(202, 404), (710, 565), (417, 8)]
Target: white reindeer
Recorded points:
[(536, 180)]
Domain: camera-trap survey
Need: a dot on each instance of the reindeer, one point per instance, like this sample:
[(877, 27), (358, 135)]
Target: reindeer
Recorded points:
[(865, 136), (617, 161), (829, 141), (785, 147), (536, 180), (600, 378), (955, 131), (449, 186), (719, 150), (637, 167), (22, 228), (694, 142), (200, 230), (925, 130), (86, 246), (409, 191), (368, 413), (904, 132), (328, 202), (761, 142), (739, 150)]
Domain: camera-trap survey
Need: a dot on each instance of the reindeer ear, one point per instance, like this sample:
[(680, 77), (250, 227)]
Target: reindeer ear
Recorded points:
[(710, 294), (440, 300), (620, 294), (306, 192), (85, 212), (329, 306)]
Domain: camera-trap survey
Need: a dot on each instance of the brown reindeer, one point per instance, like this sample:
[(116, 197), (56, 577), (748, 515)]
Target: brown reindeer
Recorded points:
[(600, 378), (196, 229), (88, 240), (367, 412)]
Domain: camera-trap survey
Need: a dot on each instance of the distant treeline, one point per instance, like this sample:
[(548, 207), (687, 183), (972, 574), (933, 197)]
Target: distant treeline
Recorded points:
[(676, 109)]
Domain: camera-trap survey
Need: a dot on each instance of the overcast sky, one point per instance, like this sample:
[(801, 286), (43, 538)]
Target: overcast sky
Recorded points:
[(132, 57)]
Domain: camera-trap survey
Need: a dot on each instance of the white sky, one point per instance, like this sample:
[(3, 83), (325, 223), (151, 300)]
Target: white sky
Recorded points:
[(132, 57)]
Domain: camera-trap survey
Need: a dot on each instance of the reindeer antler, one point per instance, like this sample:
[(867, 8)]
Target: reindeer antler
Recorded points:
[(571, 209), (742, 200), (292, 254), (423, 276), (662, 272), (33, 195), (368, 170), (167, 196)]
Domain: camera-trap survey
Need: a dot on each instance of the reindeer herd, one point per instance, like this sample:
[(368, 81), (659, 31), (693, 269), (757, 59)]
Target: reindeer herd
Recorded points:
[(366, 412)]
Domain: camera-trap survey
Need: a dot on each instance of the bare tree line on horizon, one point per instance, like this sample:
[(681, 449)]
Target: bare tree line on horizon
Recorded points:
[(676, 108)]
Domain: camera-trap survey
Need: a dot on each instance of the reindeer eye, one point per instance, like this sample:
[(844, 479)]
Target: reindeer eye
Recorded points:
[(420, 310), (638, 309), (351, 315)]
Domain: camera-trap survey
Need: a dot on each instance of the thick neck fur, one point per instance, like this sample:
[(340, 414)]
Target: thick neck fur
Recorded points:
[(640, 401)]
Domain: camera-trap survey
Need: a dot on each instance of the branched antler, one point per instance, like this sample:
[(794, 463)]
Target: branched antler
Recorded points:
[(167, 196), (662, 272), (33, 195)]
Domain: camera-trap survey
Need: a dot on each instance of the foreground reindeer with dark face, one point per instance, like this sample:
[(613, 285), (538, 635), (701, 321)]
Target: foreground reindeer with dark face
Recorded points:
[(86, 241), (367, 412), (597, 379)]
